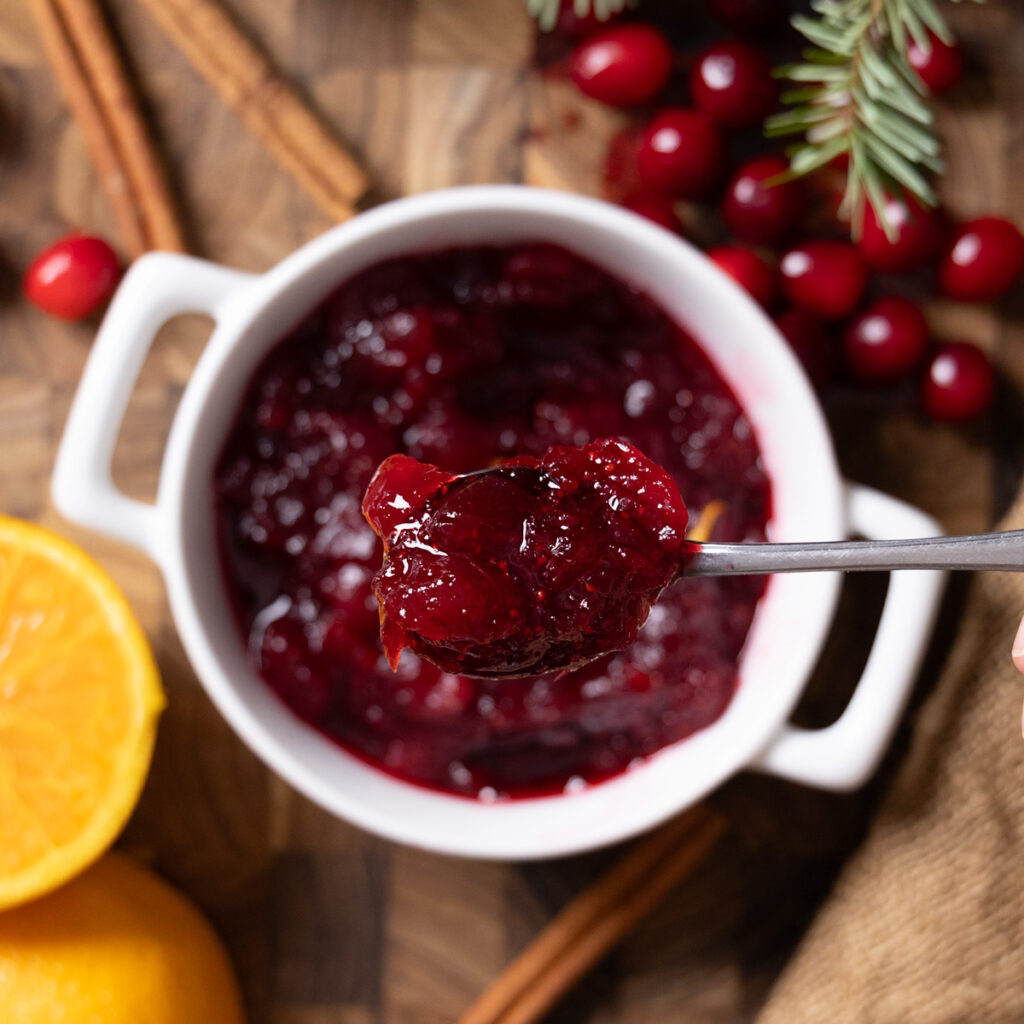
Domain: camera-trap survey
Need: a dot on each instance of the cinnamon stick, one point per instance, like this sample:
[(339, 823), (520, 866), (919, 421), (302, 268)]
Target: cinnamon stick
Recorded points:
[(99, 143), (117, 98), (95, 86), (264, 100), (595, 921)]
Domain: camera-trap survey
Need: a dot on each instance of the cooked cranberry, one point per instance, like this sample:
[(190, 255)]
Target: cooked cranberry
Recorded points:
[(386, 348), (573, 419), (349, 591), (507, 350), (886, 340), (73, 277), (939, 65), (810, 339), (732, 83), (748, 15), (984, 258), (917, 239), (439, 696), (283, 660), (760, 208), (958, 383), (748, 270), (447, 435), (656, 208), (681, 152), (623, 66), (337, 534), (542, 565), (825, 277)]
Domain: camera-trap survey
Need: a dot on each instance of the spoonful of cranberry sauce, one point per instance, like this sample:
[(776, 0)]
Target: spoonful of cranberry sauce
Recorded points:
[(542, 565), (530, 567)]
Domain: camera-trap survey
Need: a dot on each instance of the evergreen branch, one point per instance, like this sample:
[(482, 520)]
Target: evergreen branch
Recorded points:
[(856, 95), (859, 96), (546, 11)]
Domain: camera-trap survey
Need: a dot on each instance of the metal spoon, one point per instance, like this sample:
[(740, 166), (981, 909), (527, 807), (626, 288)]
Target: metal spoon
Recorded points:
[(543, 651), (1003, 551)]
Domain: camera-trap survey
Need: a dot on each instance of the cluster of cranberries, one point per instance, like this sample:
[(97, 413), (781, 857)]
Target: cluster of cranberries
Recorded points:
[(824, 283)]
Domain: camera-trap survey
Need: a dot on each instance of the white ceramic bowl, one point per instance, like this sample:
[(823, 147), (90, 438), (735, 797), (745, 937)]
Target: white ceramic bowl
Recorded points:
[(811, 502)]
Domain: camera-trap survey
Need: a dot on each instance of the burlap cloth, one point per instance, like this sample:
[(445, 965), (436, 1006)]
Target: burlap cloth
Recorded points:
[(926, 923)]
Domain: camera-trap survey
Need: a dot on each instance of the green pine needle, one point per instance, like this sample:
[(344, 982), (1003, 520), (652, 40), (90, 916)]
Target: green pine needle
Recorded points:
[(546, 11), (858, 96)]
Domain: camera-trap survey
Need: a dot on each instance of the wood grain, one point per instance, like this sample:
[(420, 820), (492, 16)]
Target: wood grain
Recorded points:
[(326, 924)]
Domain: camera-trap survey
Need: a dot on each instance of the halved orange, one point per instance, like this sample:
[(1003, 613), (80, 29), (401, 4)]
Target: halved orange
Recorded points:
[(79, 700)]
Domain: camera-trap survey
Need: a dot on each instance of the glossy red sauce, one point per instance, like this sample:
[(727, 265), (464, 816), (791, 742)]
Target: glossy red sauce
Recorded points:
[(458, 358), (536, 565)]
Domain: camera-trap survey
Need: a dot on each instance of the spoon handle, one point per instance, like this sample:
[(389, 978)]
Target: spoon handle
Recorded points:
[(1004, 551)]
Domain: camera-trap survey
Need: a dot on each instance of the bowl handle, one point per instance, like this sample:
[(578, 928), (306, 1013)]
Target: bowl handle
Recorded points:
[(157, 287), (845, 754)]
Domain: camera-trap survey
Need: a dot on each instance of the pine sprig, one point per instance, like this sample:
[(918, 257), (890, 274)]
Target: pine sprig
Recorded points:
[(546, 11), (857, 94)]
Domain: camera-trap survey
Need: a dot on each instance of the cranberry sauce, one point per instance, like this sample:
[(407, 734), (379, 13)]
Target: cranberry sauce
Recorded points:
[(459, 358), (534, 566)]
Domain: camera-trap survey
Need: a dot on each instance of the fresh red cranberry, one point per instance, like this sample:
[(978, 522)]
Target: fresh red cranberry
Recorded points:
[(732, 83), (748, 270), (760, 212), (958, 383), (681, 152), (73, 277), (887, 340), (748, 15), (622, 66), (939, 65), (917, 240), (809, 338), (984, 258), (824, 276), (656, 208)]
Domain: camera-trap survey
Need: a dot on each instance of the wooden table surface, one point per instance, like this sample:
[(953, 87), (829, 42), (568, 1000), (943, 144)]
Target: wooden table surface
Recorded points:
[(328, 925)]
